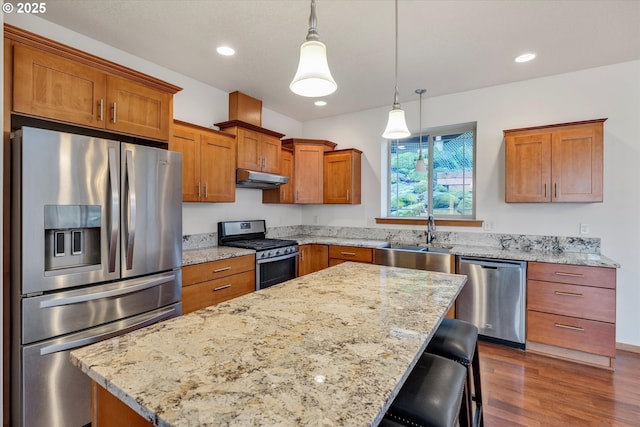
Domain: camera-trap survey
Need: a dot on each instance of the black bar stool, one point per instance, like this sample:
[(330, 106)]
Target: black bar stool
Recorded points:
[(458, 340), (431, 396)]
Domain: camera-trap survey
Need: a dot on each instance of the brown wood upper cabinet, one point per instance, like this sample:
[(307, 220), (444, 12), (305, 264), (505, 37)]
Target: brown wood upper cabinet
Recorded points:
[(308, 168), (208, 163), (555, 163), (56, 87), (259, 149), (284, 193), (342, 176)]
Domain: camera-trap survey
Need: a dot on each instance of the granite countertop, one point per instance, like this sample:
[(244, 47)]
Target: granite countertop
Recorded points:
[(327, 349), (195, 256), (576, 258), (198, 256)]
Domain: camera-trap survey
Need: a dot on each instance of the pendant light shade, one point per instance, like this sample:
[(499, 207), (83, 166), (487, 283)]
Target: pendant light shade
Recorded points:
[(396, 125), (313, 78), (420, 166)]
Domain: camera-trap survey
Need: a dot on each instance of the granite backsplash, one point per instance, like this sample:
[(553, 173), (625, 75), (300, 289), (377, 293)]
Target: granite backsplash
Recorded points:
[(520, 242)]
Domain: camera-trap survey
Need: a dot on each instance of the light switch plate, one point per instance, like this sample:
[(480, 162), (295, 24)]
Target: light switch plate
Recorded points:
[(584, 228)]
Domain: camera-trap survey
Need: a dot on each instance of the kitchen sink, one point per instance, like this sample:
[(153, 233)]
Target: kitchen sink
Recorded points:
[(431, 258)]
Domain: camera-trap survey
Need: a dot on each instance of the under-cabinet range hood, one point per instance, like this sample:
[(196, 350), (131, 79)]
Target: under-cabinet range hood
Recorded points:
[(252, 179)]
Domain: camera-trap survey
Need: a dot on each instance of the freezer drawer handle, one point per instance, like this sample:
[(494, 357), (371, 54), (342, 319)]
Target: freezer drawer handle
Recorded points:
[(573, 328), (146, 284), (90, 340)]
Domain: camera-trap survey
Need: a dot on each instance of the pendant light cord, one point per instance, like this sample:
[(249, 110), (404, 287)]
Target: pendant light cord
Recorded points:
[(396, 103), (420, 92), (313, 23)]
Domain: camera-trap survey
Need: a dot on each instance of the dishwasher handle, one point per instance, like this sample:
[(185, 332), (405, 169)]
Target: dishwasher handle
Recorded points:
[(490, 264)]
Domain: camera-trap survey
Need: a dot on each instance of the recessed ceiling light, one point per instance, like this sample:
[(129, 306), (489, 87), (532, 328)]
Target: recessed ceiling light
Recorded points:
[(320, 103), (526, 57), (225, 50)]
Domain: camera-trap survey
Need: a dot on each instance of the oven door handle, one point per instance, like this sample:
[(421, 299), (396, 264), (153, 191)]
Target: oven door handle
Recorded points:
[(278, 258)]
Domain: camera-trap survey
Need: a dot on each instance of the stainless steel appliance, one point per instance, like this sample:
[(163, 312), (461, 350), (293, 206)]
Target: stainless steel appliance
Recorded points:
[(493, 298), (96, 252), (276, 259)]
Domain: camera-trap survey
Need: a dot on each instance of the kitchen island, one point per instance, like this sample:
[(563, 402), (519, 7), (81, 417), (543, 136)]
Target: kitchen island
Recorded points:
[(330, 348)]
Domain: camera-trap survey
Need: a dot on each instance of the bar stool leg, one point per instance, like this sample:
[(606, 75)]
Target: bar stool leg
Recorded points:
[(478, 419)]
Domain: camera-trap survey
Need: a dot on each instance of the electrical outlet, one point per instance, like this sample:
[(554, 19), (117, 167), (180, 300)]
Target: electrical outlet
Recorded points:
[(584, 228), (315, 219), (487, 225)]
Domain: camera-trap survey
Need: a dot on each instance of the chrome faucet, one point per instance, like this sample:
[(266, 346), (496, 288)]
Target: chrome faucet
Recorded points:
[(431, 229)]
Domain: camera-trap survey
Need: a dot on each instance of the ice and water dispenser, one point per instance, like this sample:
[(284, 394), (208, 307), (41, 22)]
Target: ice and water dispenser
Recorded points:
[(72, 236)]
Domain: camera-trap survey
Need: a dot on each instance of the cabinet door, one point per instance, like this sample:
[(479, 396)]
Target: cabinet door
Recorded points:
[(49, 86), (137, 109), (286, 169), (218, 171), (528, 168), (342, 177), (270, 151), (187, 141), (312, 258), (308, 171), (577, 164), (248, 149)]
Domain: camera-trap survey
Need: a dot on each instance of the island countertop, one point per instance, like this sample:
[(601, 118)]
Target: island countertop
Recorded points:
[(330, 348)]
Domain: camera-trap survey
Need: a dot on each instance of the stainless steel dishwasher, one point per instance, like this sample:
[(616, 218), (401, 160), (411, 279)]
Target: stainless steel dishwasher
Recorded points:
[(493, 298)]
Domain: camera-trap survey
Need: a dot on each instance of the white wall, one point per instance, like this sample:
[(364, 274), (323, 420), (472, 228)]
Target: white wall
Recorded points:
[(612, 92), (196, 103)]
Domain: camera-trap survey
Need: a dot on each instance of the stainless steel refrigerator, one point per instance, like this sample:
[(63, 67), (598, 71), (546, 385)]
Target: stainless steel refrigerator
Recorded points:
[(96, 252)]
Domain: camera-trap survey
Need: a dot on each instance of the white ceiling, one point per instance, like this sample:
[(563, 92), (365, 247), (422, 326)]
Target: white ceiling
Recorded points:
[(445, 46)]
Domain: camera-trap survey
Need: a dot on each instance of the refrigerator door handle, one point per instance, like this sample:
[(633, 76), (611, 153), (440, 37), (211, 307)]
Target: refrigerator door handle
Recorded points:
[(55, 348), (138, 285), (115, 209), (131, 226)]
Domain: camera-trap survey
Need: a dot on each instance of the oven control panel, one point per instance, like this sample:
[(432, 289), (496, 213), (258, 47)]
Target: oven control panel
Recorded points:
[(273, 253)]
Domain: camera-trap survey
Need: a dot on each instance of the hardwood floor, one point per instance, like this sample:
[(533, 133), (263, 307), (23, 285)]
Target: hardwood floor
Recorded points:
[(523, 389)]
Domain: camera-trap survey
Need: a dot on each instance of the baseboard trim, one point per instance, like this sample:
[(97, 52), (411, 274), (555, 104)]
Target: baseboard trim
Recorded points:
[(628, 347), (571, 355)]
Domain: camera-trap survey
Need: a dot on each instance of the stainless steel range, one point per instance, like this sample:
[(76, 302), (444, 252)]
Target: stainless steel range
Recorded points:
[(276, 259)]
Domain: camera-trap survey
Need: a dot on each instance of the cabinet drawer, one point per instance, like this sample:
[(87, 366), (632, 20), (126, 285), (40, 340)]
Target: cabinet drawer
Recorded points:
[(569, 332), (351, 253), (198, 273), (601, 277), (216, 291), (586, 302)]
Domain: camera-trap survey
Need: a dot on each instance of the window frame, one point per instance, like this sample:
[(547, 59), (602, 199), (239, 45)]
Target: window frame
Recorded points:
[(431, 133)]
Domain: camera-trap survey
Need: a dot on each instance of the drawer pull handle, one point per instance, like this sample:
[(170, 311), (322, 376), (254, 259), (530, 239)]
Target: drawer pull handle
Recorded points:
[(560, 273), (218, 270), (573, 328), (567, 294), (219, 288), (348, 253)]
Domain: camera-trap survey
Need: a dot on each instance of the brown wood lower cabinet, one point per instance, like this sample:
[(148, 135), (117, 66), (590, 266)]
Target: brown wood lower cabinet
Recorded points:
[(312, 258), (571, 312), (213, 282), (339, 254)]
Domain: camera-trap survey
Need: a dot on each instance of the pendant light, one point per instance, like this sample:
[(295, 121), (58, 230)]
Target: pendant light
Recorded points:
[(313, 78), (396, 125), (420, 166)]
